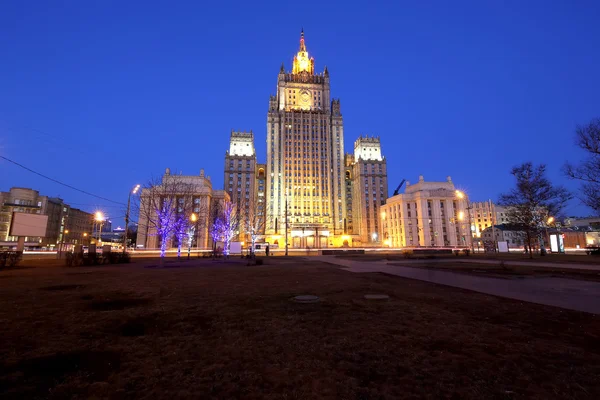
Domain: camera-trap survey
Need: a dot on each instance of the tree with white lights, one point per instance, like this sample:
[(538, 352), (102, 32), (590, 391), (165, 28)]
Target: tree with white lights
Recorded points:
[(228, 225)]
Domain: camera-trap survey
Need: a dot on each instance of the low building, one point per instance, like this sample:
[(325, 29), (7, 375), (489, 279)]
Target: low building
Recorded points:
[(502, 233), (427, 214), (65, 224), (485, 214), (585, 224)]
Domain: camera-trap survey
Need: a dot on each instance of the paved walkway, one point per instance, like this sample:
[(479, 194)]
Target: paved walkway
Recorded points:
[(565, 293), (589, 267)]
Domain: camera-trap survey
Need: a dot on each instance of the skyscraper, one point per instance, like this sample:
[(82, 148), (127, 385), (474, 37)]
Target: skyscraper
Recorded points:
[(240, 171), (370, 189), (305, 157)]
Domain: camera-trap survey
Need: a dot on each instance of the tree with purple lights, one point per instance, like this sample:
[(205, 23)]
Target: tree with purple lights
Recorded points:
[(216, 233), (165, 222), (181, 229), (165, 206)]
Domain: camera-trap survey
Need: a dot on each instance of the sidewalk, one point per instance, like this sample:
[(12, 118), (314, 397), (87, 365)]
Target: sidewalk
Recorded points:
[(564, 293), (589, 267)]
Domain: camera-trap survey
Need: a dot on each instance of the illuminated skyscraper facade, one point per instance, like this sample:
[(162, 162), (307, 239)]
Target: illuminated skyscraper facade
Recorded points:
[(305, 157)]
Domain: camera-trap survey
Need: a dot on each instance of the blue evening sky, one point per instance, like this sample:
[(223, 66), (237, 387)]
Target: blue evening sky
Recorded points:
[(106, 94)]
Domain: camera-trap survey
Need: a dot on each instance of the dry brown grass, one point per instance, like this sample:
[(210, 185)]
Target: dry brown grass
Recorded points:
[(223, 331)]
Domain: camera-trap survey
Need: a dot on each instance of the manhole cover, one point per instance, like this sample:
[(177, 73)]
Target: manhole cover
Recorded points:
[(306, 298), (377, 297)]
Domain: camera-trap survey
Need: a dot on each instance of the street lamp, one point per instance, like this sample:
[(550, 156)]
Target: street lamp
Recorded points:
[(549, 221), (461, 195), (193, 218), (63, 243), (134, 191), (99, 217)]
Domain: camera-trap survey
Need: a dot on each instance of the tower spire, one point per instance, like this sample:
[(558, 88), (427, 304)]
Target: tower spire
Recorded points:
[(302, 45), (302, 61)]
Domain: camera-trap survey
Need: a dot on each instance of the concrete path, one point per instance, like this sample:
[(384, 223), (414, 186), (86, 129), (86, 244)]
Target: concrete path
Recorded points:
[(565, 293), (589, 267)]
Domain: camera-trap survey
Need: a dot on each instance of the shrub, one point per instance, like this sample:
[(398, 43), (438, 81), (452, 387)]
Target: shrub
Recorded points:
[(407, 253), (125, 258), (10, 258), (113, 258)]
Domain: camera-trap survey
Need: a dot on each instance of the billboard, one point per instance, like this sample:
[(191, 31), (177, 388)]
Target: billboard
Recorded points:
[(235, 248), (502, 247), (23, 224)]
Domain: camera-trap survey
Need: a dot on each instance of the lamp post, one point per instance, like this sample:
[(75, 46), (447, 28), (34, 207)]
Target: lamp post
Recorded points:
[(63, 243), (65, 238), (548, 222), (384, 229), (134, 191), (461, 195), (193, 218), (286, 225), (99, 217), (85, 237)]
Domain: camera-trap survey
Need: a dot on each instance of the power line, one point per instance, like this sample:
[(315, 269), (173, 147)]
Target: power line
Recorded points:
[(94, 205), (59, 182)]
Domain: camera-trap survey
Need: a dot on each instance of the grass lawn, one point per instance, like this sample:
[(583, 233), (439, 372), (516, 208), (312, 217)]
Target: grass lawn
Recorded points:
[(225, 330)]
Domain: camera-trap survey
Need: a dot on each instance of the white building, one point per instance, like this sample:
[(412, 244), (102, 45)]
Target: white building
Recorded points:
[(240, 174), (503, 233), (430, 214), (485, 214), (370, 190)]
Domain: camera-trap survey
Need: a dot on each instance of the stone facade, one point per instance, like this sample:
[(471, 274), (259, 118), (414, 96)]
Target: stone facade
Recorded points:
[(429, 214), (369, 190), (191, 194), (304, 168), (240, 173), (486, 214), (503, 233)]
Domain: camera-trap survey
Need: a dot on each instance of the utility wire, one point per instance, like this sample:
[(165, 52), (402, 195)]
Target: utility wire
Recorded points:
[(59, 182)]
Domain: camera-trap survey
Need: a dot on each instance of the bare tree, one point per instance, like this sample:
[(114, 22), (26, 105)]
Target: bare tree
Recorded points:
[(215, 228), (165, 208), (588, 171), (229, 223), (252, 221), (532, 201)]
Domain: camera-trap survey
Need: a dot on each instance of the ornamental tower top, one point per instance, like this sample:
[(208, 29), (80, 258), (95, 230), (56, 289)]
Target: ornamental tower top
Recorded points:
[(302, 62)]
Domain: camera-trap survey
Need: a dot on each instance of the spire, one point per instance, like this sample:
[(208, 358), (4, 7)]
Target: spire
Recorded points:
[(326, 71), (282, 69), (302, 61), (302, 45)]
